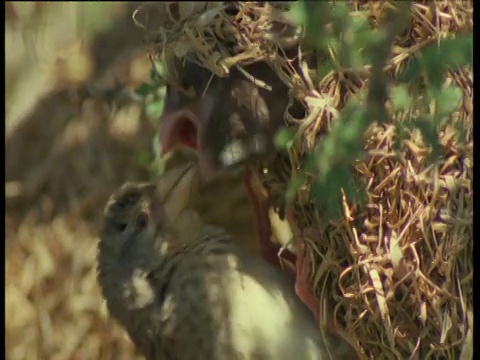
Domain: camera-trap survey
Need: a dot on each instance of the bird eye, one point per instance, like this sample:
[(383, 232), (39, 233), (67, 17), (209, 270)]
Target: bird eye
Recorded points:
[(120, 226), (142, 220), (187, 90)]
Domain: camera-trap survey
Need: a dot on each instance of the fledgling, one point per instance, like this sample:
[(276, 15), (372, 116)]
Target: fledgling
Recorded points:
[(183, 290)]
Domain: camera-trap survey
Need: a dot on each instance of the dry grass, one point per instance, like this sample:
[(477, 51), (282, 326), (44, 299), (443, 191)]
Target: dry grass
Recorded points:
[(399, 273)]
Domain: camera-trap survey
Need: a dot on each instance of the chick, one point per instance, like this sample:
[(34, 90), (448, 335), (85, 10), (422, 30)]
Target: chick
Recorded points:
[(183, 290)]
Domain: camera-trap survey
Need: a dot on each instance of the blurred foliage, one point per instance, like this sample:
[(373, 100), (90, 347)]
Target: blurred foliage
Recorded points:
[(152, 94), (350, 44)]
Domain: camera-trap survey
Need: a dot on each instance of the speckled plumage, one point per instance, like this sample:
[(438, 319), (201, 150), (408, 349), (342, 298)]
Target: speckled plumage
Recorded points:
[(184, 290)]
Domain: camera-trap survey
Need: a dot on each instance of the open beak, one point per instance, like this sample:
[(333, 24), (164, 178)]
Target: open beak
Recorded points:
[(186, 127), (179, 128)]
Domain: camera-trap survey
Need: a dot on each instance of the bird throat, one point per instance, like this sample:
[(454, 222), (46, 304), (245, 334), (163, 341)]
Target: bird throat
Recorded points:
[(185, 134)]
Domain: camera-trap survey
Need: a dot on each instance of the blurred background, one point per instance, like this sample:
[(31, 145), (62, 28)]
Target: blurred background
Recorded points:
[(73, 134)]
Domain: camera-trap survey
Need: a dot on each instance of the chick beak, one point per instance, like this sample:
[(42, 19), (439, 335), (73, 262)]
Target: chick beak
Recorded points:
[(180, 128), (186, 127), (177, 187)]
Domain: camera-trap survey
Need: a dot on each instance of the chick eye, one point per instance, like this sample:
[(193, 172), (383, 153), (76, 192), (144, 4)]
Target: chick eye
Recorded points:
[(142, 220)]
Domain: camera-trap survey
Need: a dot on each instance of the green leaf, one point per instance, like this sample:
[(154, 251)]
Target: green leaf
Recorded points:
[(324, 66), (436, 58), (145, 89), (158, 72), (449, 100), (284, 138), (327, 190), (401, 99), (154, 109), (143, 158), (295, 183), (315, 15), (343, 144), (297, 13), (353, 130)]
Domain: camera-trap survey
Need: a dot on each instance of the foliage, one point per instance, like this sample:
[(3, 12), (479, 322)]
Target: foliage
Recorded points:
[(350, 45)]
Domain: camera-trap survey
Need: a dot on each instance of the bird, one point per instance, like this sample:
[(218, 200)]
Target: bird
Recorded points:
[(229, 123), (184, 290), (226, 121), (224, 201)]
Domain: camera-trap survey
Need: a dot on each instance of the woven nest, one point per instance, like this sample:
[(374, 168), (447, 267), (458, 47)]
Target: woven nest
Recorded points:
[(397, 272)]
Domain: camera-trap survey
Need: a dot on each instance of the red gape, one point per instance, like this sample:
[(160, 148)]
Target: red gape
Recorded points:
[(302, 287), (261, 205), (269, 250)]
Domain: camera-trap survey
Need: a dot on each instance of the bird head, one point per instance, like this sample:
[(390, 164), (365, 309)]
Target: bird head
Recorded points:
[(143, 213), (225, 121), (142, 227)]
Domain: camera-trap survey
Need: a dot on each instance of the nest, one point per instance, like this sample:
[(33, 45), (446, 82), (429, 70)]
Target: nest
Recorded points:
[(398, 272)]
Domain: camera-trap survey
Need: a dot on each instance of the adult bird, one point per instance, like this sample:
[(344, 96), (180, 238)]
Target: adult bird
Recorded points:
[(232, 121), (184, 290)]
